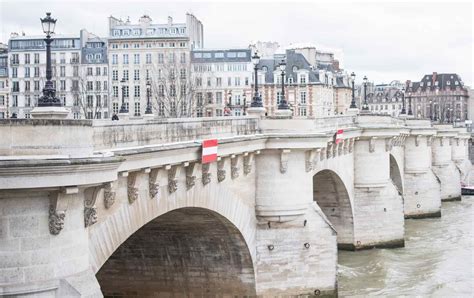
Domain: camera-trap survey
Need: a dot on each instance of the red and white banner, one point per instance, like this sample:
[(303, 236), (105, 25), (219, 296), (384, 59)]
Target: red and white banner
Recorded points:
[(209, 151), (338, 136)]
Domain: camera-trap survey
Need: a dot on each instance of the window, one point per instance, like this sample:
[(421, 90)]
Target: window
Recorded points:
[(125, 91), (208, 82), (14, 72), (125, 46), (27, 86), (27, 100), (199, 99), (199, 82), (209, 97), (160, 57), (161, 90), (27, 58), (171, 57), (75, 71), (115, 91), (246, 81), (27, 72), (237, 81), (15, 100), (37, 85), (37, 58), (137, 91), (104, 72), (148, 58), (2, 100), (229, 81), (75, 85), (303, 98), (125, 58), (172, 90), (182, 58), (89, 71), (136, 58), (90, 86), (182, 73), (97, 85), (97, 71), (278, 97), (114, 59), (137, 109), (219, 97), (302, 111), (105, 86), (16, 86), (125, 75), (114, 75), (302, 79), (136, 74), (115, 108), (90, 101)]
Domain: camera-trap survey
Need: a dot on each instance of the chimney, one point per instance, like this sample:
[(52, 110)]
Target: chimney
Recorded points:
[(335, 64), (435, 75), (170, 21)]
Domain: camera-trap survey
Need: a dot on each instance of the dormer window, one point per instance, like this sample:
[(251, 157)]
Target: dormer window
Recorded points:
[(421, 84), (116, 32), (182, 30), (265, 68), (126, 32), (150, 31), (290, 80), (136, 31), (303, 79), (125, 45), (136, 45), (448, 83), (428, 84), (456, 83)]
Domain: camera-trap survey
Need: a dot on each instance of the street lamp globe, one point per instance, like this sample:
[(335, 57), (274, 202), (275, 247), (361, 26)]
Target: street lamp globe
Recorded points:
[(255, 59), (48, 24), (353, 76), (365, 80), (282, 65)]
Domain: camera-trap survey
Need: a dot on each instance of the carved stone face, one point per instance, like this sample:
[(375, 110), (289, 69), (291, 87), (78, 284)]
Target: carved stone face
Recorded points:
[(56, 221)]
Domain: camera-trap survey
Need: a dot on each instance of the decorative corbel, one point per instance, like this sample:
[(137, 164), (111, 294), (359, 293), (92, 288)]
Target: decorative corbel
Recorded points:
[(340, 147), (109, 195), (206, 174), (190, 175), (372, 144), (132, 189), (310, 159), (234, 169), (457, 141), (322, 155), (90, 209), (441, 141), (153, 183), (388, 144), (221, 172), (284, 155), (329, 150), (58, 204), (173, 174), (417, 140), (334, 149), (248, 159), (429, 140)]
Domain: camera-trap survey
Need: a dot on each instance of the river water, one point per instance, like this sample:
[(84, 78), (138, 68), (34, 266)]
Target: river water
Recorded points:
[(437, 259)]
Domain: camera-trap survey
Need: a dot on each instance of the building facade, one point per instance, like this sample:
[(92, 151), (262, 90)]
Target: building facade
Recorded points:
[(387, 99), (91, 90), (441, 97), (223, 81), (4, 87), (27, 70), (151, 62), (311, 91)]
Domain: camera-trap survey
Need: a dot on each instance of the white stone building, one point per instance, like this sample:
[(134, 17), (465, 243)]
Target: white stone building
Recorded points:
[(27, 70), (91, 90), (223, 81), (155, 53), (4, 90)]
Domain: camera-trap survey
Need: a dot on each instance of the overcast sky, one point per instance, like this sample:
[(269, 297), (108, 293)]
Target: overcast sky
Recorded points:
[(385, 41)]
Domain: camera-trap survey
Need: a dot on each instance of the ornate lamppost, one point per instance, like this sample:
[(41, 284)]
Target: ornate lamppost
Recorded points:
[(283, 103), (256, 100), (365, 107), (48, 99), (148, 110), (410, 112), (123, 108), (353, 103), (404, 111)]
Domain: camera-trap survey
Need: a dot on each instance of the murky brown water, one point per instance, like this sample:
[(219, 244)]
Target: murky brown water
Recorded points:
[(437, 259)]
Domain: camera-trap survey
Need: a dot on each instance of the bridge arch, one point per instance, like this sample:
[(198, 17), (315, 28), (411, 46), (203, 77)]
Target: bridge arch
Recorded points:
[(186, 252), (396, 174), (332, 196)]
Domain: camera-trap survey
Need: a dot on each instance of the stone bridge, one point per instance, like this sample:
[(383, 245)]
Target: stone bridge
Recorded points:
[(127, 209)]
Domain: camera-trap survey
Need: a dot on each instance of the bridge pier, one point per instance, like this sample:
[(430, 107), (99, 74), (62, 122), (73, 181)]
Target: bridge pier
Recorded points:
[(378, 207), (460, 155), (422, 197), (444, 167), (295, 241)]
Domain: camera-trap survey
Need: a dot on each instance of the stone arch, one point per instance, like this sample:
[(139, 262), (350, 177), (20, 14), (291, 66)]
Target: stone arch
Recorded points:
[(186, 252), (395, 174), (332, 196)]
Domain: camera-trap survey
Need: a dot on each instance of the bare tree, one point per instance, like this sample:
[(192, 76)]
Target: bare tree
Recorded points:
[(87, 98), (174, 88)]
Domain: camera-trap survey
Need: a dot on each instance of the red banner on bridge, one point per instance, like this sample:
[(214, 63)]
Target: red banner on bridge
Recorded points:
[(209, 150)]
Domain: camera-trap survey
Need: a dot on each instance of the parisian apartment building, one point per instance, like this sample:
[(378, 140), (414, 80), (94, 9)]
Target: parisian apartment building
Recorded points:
[(4, 90), (150, 62), (441, 97), (311, 90), (386, 99), (27, 70), (223, 79)]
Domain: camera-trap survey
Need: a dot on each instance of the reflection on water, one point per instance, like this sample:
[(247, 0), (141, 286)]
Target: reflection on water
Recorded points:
[(437, 259)]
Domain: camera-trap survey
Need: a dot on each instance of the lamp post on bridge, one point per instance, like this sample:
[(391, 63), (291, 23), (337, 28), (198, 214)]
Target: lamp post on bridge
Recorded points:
[(283, 105), (148, 110), (365, 106), (123, 108), (49, 106), (410, 112), (404, 111), (353, 103), (256, 100)]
